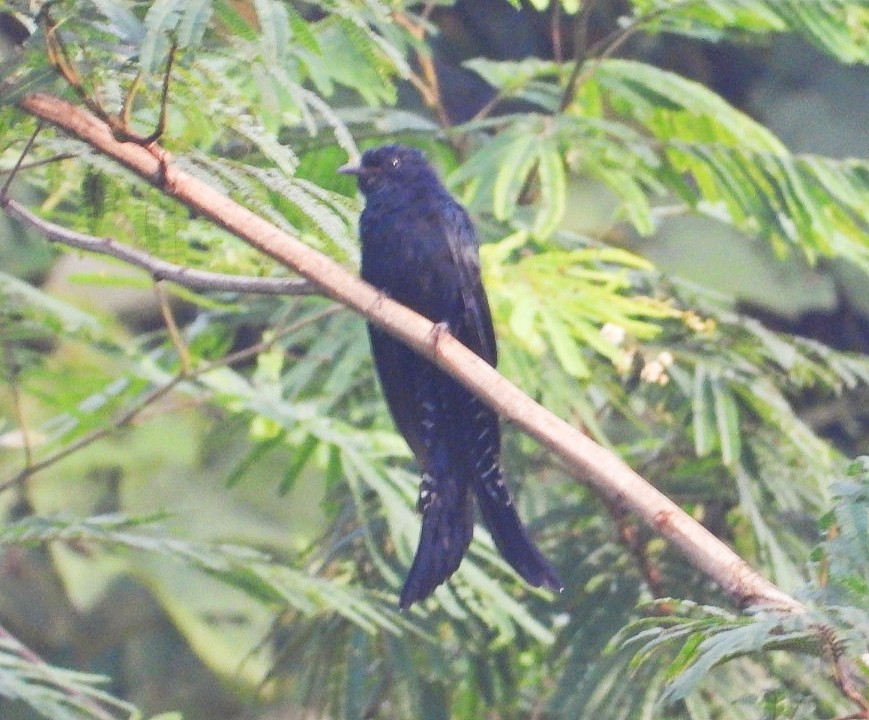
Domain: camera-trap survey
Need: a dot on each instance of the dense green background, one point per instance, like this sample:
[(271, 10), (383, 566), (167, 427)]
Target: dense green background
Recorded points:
[(673, 199)]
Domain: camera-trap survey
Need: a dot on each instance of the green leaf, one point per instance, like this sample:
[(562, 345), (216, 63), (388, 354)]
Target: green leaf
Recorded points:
[(702, 413), (163, 17), (504, 170), (837, 27), (254, 456), (59, 313), (528, 79), (124, 21), (742, 174), (274, 24), (727, 421), (300, 458), (194, 23), (566, 350), (563, 298), (515, 165), (553, 189)]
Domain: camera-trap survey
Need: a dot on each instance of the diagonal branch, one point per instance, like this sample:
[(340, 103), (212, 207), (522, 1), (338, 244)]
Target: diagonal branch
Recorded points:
[(586, 460)]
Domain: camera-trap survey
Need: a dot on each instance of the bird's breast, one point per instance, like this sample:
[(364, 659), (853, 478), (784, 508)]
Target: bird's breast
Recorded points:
[(402, 253)]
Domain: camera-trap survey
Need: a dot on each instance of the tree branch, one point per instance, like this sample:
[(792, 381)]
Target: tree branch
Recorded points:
[(160, 269), (586, 460)]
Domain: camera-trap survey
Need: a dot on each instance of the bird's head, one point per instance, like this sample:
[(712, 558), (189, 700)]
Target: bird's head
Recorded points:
[(388, 169)]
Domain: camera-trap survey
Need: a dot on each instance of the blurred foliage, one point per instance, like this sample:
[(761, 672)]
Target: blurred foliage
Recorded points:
[(218, 522)]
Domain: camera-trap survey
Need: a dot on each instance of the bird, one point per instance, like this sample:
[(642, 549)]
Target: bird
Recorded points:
[(419, 247)]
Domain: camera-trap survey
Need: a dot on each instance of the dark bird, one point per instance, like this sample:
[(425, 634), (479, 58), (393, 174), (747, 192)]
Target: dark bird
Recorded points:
[(420, 248)]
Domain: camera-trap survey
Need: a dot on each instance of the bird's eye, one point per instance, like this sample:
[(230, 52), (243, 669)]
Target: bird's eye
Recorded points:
[(395, 162)]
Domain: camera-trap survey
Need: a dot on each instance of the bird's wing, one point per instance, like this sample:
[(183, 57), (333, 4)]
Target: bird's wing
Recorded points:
[(474, 326)]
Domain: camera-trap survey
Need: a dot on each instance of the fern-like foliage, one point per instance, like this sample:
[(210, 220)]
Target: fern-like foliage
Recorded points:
[(55, 692), (710, 641), (835, 26), (649, 133)]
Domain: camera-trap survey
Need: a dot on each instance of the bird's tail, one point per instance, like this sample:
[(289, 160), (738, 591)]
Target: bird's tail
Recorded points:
[(510, 536), (447, 528)]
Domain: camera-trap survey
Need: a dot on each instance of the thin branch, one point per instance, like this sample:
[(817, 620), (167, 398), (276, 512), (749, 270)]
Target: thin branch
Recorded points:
[(489, 106), (579, 52), (8, 357), (17, 405), (4, 191), (612, 42), (587, 461), (62, 62), (172, 327), (126, 417), (583, 68), (127, 107), (428, 85), (199, 280), (264, 345), (555, 33), (123, 419), (36, 163), (164, 97)]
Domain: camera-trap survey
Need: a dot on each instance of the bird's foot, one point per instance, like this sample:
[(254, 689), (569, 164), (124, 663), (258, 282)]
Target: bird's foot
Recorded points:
[(439, 330)]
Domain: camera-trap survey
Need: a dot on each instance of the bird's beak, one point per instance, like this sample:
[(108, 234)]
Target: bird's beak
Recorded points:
[(351, 169)]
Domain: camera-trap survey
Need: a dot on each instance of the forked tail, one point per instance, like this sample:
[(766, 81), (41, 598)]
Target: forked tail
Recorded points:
[(510, 536), (447, 528)]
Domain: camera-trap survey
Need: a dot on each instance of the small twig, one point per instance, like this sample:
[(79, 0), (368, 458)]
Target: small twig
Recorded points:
[(172, 327), (617, 38), (37, 163), (610, 44), (427, 85), (59, 57), (164, 95), (428, 10), (555, 33), (193, 279), (490, 105), (379, 696), (6, 185), (256, 348), (63, 63), (124, 116), (579, 53), (17, 406), (126, 110)]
